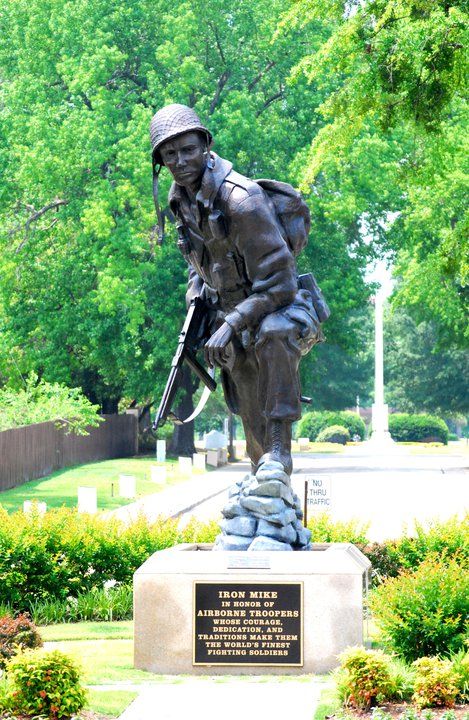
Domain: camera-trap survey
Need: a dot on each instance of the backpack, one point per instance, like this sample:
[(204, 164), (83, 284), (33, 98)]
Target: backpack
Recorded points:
[(295, 218), (291, 210)]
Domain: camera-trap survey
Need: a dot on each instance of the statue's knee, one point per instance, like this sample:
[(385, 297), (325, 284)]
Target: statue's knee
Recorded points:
[(275, 328)]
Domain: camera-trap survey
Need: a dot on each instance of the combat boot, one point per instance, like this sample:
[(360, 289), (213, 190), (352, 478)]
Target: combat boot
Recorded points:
[(278, 444)]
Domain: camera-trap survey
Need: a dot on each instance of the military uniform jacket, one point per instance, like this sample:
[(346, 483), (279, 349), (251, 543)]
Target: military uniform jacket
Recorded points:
[(235, 246)]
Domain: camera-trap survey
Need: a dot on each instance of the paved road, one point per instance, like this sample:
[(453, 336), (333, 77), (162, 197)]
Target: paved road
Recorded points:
[(388, 490), (184, 497)]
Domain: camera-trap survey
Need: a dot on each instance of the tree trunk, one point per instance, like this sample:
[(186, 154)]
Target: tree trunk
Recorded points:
[(231, 437), (110, 406), (182, 442)]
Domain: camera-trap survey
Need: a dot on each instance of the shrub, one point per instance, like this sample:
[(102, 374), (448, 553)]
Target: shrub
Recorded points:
[(384, 558), (199, 532), (448, 539), (312, 423), (16, 634), (424, 612), (434, 683), (365, 678), (45, 684), (334, 434), (418, 428), (460, 663), (63, 554), (40, 401), (323, 529)]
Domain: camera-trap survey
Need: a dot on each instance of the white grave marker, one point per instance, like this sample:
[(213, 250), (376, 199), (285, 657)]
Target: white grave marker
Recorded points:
[(185, 465), (215, 440), (212, 458), (199, 461), (30, 505), (319, 493), (87, 500), (303, 443), (161, 451), (127, 486), (158, 474)]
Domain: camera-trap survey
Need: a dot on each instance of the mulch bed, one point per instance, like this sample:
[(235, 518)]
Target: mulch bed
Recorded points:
[(395, 710), (84, 715)]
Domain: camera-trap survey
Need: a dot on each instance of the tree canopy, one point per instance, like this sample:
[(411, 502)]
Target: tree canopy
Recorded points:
[(87, 296), (419, 377), (360, 103), (394, 75)]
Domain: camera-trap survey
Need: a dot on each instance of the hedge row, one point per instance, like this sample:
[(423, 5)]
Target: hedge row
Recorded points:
[(63, 554), (418, 428), (403, 427), (312, 423)]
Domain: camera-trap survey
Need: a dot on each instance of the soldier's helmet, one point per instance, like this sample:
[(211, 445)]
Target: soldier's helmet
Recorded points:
[(171, 121)]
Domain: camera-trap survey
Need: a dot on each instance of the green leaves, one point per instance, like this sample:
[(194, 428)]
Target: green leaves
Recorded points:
[(42, 401)]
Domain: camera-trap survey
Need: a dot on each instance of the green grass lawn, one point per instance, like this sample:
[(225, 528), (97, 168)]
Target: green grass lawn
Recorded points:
[(103, 661), (328, 704), (110, 702), (60, 488), (122, 630), (104, 651), (319, 447)]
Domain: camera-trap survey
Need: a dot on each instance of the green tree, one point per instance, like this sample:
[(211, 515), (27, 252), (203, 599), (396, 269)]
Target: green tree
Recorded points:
[(431, 233), (392, 73), (42, 401), (87, 297), (385, 61), (419, 376)]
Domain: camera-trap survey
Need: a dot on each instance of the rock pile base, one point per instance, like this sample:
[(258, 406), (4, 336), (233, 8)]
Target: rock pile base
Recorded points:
[(263, 513)]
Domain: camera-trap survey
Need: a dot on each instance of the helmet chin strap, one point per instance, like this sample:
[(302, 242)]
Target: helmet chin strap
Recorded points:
[(209, 159), (210, 164), (159, 215)]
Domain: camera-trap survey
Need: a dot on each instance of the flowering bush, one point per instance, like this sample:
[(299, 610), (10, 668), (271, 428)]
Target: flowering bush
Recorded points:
[(46, 684), (435, 683), (365, 678), (16, 634)]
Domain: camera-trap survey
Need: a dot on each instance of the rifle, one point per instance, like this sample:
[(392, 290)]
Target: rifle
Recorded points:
[(189, 338)]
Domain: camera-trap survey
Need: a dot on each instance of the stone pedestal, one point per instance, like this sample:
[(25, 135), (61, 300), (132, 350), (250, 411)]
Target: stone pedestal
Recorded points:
[(328, 578)]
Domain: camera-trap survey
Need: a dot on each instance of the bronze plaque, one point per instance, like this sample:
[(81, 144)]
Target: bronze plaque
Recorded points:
[(256, 623)]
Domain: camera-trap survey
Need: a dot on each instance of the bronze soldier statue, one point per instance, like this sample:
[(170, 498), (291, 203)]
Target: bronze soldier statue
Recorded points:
[(239, 238)]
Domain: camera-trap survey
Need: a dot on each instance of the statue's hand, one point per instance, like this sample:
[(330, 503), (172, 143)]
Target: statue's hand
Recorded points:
[(214, 348)]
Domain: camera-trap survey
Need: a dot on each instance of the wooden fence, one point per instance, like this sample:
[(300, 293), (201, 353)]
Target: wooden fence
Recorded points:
[(34, 451)]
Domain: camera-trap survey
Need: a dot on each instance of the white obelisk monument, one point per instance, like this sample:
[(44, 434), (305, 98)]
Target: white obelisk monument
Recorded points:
[(379, 411)]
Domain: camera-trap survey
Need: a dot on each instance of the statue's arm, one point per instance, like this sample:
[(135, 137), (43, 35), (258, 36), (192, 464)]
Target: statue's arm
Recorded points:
[(195, 286), (269, 263)]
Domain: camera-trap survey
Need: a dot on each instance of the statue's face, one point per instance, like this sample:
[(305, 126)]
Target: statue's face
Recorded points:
[(184, 156)]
